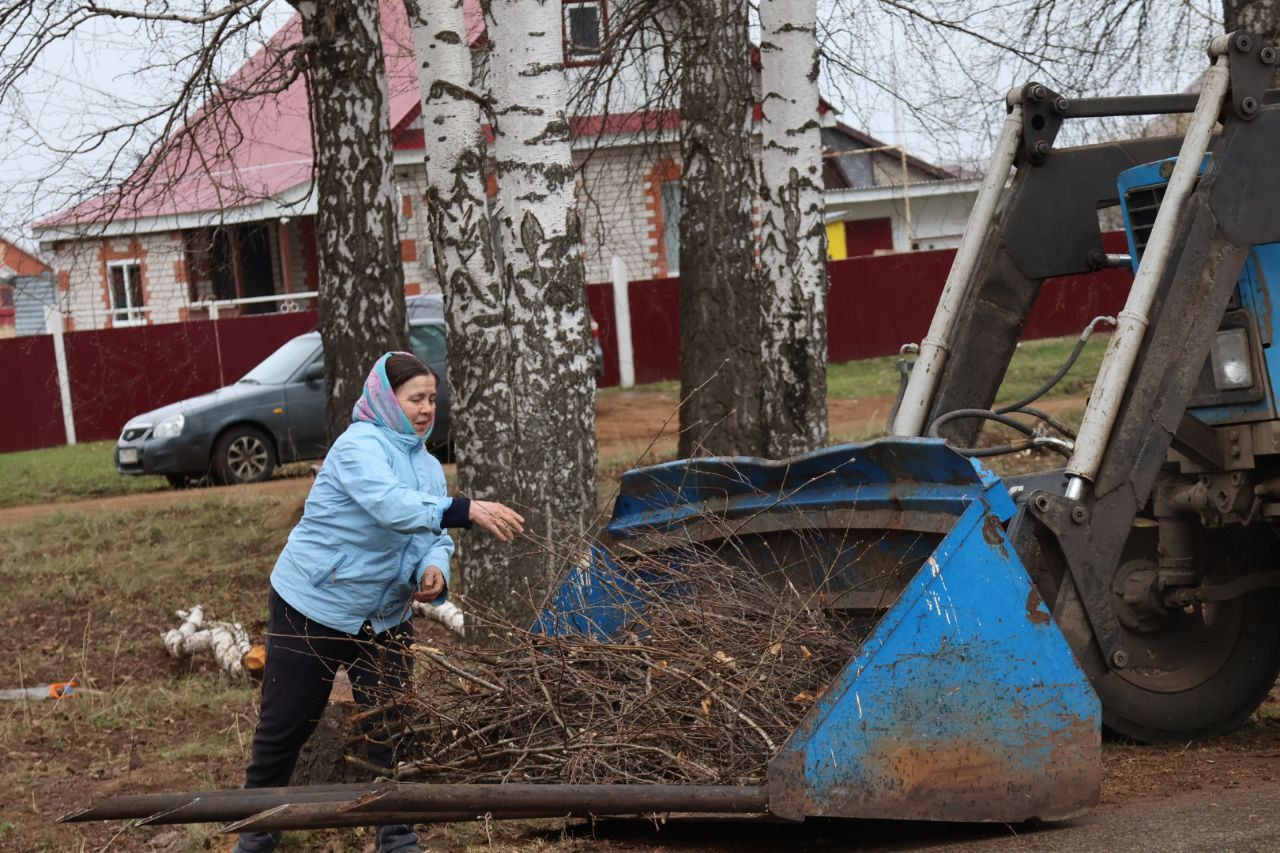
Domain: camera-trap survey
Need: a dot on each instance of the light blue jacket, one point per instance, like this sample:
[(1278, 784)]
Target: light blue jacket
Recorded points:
[(370, 526)]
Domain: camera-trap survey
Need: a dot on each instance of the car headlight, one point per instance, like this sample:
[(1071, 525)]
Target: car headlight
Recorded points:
[(170, 427), (1230, 358)]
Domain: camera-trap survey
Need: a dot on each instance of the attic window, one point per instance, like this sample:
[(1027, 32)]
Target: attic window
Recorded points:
[(585, 29)]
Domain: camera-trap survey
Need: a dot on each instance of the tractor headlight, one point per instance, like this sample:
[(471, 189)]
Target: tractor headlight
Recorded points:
[(1230, 358), (170, 427)]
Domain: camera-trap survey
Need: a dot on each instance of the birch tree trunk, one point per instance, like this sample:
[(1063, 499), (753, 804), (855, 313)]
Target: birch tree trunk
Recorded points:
[(361, 278), (480, 344), (793, 235), (720, 309), (524, 366), (1256, 16)]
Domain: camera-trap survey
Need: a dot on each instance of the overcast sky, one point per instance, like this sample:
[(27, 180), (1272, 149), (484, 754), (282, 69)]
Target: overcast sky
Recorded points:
[(936, 91)]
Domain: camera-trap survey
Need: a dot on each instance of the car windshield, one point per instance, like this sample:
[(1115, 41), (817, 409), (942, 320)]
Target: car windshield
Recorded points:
[(284, 362)]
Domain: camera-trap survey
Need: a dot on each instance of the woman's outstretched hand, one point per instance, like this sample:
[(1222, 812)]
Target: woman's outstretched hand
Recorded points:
[(431, 586), (502, 522)]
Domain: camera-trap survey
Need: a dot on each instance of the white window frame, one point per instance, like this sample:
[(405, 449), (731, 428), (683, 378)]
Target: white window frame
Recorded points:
[(582, 55), (133, 315)]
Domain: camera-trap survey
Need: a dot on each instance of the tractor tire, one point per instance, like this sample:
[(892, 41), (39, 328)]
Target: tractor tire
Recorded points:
[(1196, 674), (243, 455)]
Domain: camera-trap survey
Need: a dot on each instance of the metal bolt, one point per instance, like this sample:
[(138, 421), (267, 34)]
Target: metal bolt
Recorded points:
[(1038, 92), (1249, 105), (1267, 55), (1120, 658), (1079, 514), (1041, 147), (1042, 503), (1062, 105), (1243, 43)]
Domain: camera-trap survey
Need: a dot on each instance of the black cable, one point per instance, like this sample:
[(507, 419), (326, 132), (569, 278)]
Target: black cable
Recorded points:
[(1021, 407), (1061, 371), (984, 414)]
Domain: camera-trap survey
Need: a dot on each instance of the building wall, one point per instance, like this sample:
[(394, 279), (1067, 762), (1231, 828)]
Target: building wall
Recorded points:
[(30, 296), (620, 201), (620, 205), (937, 221), (415, 241), (82, 277)]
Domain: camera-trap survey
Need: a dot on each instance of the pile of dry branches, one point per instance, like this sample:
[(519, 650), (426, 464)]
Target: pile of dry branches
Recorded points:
[(702, 685)]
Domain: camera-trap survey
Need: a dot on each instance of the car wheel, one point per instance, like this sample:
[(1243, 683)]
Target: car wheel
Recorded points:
[(243, 455)]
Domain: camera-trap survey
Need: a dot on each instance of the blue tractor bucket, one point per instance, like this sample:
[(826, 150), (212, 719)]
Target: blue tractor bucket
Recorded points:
[(963, 702)]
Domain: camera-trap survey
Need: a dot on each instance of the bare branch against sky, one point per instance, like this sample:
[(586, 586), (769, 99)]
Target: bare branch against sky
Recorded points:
[(87, 91)]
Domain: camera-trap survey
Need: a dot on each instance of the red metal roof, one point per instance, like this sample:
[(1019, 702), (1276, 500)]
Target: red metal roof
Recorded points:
[(241, 152), (16, 261)]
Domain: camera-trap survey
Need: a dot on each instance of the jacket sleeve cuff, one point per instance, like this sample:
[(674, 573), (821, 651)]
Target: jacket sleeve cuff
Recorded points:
[(458, 514)]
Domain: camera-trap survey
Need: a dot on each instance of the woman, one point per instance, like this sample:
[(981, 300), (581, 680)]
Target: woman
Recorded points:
[(371, 541)]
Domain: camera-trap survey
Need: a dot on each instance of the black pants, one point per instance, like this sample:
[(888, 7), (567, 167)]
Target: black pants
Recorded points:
[(302, 658)]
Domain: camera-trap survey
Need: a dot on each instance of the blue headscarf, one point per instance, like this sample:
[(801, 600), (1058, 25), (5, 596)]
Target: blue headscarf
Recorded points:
[(378, 403)]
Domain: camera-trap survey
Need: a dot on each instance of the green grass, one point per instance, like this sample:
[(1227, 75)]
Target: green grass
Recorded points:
[(66, 473), (1032, 364), (88, 471)]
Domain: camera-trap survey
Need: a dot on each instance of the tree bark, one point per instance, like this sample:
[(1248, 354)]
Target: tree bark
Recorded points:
[(520, 345), (480, 343), (1256, 16), (361, 286), (793, 236), (1261, 17), (720, 306)]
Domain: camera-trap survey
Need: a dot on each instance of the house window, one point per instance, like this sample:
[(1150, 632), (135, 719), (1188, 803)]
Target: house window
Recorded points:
[(585, 29), (124, 279), (671, 225)]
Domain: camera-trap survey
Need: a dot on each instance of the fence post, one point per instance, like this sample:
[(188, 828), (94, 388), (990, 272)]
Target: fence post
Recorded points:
[(53, 322), (622, 323)]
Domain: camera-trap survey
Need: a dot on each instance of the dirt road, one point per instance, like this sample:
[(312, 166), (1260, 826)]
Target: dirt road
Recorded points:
[(633, 427)]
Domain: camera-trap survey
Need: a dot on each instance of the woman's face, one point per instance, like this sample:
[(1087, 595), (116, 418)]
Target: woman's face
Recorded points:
[(417, 398)]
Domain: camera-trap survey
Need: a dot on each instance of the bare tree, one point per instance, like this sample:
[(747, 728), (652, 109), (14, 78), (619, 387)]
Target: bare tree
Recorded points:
[(481, 351), (361, 278), (190, 129), (720, 299), (1255, 16), (520, 354), (793, 234)]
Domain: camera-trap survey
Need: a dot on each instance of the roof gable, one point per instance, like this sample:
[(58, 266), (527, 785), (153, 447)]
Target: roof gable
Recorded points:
[(235, 152)]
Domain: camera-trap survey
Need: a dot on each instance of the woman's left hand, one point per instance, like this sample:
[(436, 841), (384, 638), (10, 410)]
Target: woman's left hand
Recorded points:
[(432, 585)]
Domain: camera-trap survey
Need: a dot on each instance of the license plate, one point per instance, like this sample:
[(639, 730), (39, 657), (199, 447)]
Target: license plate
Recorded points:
[(129, 456)]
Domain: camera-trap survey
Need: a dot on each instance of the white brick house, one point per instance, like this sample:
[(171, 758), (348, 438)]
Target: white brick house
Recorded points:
[(246, 229)]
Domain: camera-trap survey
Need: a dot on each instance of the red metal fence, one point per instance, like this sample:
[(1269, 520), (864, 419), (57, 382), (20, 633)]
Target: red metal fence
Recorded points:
[(118, 373), (876, 304)]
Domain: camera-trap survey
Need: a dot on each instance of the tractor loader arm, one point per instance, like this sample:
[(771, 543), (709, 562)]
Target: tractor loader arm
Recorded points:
[(1158, 507)]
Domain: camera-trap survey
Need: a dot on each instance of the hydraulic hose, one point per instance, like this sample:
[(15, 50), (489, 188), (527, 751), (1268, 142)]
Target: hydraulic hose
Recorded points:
[(1063, 370), (1001, 415)]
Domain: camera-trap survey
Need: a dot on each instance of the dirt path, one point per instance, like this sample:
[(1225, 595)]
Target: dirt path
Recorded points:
[(166, 497), (628, 423), (634, 427)]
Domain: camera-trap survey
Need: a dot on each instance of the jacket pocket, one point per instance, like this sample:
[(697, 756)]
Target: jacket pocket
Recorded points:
[(330, 572)]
